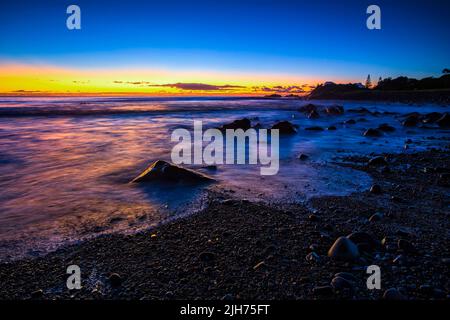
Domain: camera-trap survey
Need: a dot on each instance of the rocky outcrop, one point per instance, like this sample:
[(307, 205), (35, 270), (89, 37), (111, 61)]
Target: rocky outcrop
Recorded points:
[(164, 171)]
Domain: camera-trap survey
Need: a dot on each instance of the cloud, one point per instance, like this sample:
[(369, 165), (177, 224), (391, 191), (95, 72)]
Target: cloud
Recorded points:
[(283, 89), (197, 86)]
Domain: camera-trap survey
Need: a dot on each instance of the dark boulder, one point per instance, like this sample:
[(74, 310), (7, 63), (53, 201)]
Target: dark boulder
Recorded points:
[(350, 121), (313, 115), (386, 128), (444, 121), (303, 157), (285, 127), (334, 110), (377, 161), (314, 128), (360, 237), (375, 189), (331, 128), (343, 249), (308, 108), (393, 294), (411, 121), (163, 171), (431, 117), (243, 124), (372, 133)]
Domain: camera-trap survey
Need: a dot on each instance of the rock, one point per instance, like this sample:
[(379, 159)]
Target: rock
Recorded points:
[(431, 117), (164, 171), (115, 279), (334, 110), (364, 238), (350, 121), (315, 128), (211, 167), (376, 217), (303, 157), (37, 294), (444, 121), (339, 284), (372, 133), (259, 265), (344, 249), (393, 294), (323, 291), (375, 189), (312, 257), (400, 259), (386, 128), (308, 108), (377, 161), (243, 124), (331, 128), (406, 246), (361, 110), (313, 115), (411, 121), (312, 217), (284, 127), (207, 256)]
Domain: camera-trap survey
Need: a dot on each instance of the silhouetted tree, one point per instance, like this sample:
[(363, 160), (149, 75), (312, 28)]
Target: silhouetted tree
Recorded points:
[(446, 71), (368, 82)]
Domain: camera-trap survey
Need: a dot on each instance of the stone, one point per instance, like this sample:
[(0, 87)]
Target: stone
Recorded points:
[(386, 128), (313, 115), (331, 128), (339, 283), (360, 237), (377, 161), (115, 279), (375, 189), (344, 249), (243, 124), (303, 157), (164, 171), (375, 217), (393, 294), (411, 121), (444, 121), (284, 127), (314, 128), (372, 133)]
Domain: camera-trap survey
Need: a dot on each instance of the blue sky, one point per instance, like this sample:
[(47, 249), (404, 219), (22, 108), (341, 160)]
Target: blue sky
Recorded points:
[(322, 39)]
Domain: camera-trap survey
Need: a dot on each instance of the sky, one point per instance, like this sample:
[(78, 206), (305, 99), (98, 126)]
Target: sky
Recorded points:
[(216, 47)]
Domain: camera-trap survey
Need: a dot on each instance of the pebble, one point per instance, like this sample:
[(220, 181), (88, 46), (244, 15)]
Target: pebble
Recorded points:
[(375, 189), (115, 279), (375, 217), (393, 294), (37, 294)]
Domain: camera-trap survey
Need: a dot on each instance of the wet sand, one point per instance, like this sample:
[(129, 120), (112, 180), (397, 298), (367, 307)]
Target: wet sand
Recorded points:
[(237, 249)]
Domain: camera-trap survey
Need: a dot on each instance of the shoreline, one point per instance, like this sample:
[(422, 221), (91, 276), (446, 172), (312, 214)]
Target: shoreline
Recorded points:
[(237, 249)]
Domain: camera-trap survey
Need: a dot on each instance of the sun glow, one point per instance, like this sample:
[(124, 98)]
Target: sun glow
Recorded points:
[(39, 79)]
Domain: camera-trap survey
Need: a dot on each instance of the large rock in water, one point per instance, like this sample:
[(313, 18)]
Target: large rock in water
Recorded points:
[(444, 121), (163, 171), (243, 124), (285, 127), (344, 249), (334, 110)]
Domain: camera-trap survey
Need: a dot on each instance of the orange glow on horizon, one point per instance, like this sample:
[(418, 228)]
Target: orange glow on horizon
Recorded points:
[(34, 79)]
